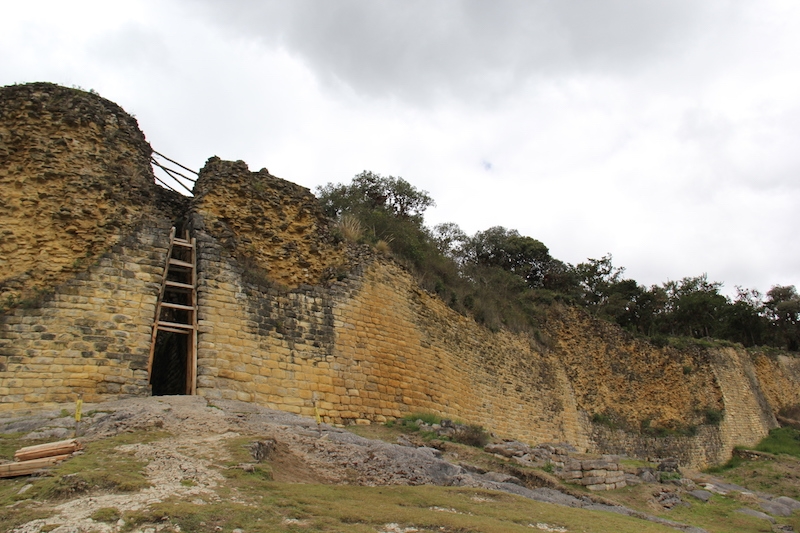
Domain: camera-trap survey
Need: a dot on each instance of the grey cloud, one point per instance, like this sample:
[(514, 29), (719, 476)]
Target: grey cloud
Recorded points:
[(416, 49), (132, 45)]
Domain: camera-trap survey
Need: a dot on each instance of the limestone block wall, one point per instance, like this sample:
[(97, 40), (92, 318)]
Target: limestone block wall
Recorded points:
[(410, 352), (594, 474), (629, 380), (75, 176), (369, 348), (92, 335), (703, 449), (748, 414), (269, 224), (779, 379)]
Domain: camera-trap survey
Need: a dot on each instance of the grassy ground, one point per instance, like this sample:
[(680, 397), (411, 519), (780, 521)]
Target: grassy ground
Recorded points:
[(255, 502), (100, 468), (328, 508)]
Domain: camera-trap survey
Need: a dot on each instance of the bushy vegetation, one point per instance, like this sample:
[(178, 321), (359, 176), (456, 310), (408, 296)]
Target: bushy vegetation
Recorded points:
[(781, 440), (508, 280)]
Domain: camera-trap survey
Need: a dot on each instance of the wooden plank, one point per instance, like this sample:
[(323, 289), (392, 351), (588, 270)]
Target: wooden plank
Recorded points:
[(179, 285), (24, 468), (181, 264), (176, 325), (173, 330), (185, 244), (48, 450), (177, 306)]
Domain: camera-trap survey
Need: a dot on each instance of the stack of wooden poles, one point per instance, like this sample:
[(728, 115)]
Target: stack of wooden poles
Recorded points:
[(32, 458)]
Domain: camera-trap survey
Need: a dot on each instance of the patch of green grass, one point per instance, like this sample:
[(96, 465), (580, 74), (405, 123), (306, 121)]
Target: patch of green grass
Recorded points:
[(733, 462), (239, 450), (471, 435), (11, 442), (12, 517), (428, 418), (327, 508), (781, 440), (106, 514)]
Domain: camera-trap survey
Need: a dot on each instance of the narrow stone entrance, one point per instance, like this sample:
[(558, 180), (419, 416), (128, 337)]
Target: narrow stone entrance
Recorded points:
[(172, 365)]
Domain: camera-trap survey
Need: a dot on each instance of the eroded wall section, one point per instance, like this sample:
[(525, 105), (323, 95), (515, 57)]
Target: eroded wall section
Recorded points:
[(75, 177)]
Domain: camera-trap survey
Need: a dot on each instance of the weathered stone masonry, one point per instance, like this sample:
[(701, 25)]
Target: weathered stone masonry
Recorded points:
[(292, 318)]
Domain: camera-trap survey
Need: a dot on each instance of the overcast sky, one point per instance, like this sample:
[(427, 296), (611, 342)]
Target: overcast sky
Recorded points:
[(664, 132)]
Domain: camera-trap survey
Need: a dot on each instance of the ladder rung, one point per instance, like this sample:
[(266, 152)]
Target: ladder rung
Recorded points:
[(174, 325), (177, 306), (179, 285), (179, 263), (174, 330), (181, 242)]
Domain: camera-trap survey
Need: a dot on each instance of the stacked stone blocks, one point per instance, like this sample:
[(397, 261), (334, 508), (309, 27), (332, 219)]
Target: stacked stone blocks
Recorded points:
[(604, 473)]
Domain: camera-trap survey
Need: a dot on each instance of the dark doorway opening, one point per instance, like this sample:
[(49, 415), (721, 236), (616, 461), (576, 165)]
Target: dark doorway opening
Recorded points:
[(169, 374), (173, 347)]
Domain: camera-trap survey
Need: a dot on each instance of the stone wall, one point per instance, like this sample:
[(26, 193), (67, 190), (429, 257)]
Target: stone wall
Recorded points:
[(92, 336), (593, 473), (779, 379), (75, 177), (82, 251), (269, 224)]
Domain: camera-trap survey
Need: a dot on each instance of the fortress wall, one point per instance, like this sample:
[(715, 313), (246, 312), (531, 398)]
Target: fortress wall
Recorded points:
[(779, 379), (75, 176), (417, 354), (369, 348), (92, 335), (630, 381), (258, 343), (748, 415)]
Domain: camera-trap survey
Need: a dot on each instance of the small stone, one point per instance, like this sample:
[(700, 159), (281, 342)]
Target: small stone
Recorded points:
[(791, 503), (702, 495), (757, 514), (668, 465), (775, 508)]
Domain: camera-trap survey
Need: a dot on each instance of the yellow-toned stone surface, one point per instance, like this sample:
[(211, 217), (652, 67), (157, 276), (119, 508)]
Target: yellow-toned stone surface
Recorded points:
[(272, 225), (75, 176), (83, 244)]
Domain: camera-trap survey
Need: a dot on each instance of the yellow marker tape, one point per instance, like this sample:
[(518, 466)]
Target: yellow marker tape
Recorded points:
[(78, 406), (316, 412)]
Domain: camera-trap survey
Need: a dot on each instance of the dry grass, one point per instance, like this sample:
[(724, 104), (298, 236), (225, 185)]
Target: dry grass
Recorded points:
[(350, 228)]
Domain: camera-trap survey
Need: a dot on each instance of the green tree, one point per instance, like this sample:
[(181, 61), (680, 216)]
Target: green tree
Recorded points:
[(388, 208), (507, 249), (370, 192), (694, 306), (783, 305), (744, 320), (595, 278)]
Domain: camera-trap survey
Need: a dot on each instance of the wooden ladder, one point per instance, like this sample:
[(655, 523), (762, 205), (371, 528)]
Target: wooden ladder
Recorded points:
[(176, 308)]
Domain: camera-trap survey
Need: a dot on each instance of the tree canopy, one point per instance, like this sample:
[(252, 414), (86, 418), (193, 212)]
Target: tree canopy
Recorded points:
[(506, 279)]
